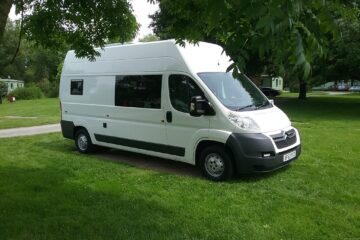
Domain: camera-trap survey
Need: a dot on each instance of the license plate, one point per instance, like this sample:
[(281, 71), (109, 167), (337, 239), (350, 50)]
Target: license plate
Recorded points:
[(289, 156)]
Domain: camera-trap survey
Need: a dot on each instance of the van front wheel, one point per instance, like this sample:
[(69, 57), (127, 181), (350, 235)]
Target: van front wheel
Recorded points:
[(83, 141), (216, 164)]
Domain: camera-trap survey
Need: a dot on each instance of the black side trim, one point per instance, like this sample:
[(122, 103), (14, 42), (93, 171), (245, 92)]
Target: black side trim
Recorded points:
[(67, 128), (178, 151)]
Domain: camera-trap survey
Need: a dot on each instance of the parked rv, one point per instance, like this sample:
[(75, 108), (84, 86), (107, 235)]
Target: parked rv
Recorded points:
[(174, 102)]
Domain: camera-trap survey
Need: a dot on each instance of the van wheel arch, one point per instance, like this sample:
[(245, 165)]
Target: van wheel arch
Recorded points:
[(206, 143), (77, 128)]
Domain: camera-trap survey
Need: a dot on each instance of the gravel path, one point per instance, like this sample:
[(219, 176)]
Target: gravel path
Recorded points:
[(27, 131)]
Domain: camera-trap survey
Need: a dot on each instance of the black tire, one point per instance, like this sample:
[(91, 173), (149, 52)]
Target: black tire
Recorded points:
[(216, 163), (83, 141)]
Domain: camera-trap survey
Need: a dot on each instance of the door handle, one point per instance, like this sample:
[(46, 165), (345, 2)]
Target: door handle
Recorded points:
[(169, 116)]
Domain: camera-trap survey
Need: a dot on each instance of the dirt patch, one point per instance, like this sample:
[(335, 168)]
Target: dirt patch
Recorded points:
[(149, 162)]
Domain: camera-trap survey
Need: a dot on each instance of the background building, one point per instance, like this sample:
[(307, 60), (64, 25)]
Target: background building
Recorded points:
[(276, 83), (12, 84)]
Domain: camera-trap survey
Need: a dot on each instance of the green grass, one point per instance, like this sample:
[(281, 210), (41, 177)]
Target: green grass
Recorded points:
[(48, 191), (43, 111)]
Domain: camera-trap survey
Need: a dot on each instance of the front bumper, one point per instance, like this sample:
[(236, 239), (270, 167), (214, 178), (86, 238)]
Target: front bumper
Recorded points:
[(256, 153)]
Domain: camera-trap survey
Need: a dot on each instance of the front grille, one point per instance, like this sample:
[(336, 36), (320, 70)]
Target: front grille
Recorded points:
[(284, 139)]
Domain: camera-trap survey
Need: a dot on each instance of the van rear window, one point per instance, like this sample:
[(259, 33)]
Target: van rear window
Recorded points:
[(141, 91), (76, 87)]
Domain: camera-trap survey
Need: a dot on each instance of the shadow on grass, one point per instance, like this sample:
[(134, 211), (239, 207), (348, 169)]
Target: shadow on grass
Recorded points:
[(256, 177), (48, 204), (130, 158), (149, 162), (157, 164), (321, 108)]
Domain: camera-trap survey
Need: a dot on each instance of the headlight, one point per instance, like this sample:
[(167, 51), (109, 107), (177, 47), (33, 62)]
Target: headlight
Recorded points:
[(243, 122)]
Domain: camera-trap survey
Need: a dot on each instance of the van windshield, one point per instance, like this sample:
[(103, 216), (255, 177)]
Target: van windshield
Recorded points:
[(237, 94)]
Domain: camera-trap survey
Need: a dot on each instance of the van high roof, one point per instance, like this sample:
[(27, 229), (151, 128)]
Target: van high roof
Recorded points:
[(150, 57)]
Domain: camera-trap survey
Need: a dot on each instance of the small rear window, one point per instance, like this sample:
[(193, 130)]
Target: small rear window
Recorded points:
[(76, 87)]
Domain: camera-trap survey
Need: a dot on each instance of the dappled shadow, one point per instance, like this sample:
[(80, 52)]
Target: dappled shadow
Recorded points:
[(321, 108), (49, 203)]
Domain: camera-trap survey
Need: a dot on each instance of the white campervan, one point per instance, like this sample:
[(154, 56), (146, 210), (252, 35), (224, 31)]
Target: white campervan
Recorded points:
[(174, 102)]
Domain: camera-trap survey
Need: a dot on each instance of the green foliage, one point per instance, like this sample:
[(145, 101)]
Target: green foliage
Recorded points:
[(149, 38), (283, 36), (343, 61), (58, 72), (50, 89), (26, 93), (7, 49), (32, 64), (3, 89), (80, 25)]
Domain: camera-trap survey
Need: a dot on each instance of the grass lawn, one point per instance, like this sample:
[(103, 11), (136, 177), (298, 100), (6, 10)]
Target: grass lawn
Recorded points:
[(40, 111), (48, 191)]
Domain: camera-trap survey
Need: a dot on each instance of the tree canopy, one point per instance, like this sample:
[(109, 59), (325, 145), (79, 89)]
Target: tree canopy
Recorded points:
[(288, 35), (33, 63), (343, 58), (80, 25)]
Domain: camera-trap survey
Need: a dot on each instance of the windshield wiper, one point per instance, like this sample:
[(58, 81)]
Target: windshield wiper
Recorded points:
[(264, 104), (242, 108)]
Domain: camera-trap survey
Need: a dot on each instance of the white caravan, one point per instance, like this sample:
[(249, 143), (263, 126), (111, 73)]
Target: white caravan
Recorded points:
[(174, 102)]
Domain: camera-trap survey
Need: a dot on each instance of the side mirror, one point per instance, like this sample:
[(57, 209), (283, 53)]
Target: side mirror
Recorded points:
[(272, 101), (200, 106)]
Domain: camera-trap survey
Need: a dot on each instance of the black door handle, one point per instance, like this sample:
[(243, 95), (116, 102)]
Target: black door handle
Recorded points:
[(168, 116)]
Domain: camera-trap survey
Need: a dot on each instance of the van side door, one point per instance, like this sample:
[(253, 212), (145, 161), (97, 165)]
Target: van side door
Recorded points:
[(136, 121)]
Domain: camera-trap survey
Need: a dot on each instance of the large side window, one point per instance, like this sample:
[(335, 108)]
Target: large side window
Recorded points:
[(76, 87), (181, 89), (142, 91)]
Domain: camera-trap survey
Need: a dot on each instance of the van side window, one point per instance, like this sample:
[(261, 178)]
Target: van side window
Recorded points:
[(141, 91), (76, 87), (181, 89)]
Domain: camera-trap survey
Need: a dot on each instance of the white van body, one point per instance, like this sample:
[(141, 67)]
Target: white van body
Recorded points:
[(257, 138)]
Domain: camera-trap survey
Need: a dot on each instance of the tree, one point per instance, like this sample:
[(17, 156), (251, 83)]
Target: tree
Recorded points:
[(81, 25), (3, 91), (149, 38), (284, 35), (343, 61), (7, 49), (33, 63)]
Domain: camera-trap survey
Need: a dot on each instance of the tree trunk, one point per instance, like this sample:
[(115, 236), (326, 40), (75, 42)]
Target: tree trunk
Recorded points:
[(5, 6), (302, 90)]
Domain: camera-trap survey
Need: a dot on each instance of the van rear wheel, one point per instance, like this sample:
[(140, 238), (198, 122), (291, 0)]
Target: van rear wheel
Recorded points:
[(83, 141), (216, 164)]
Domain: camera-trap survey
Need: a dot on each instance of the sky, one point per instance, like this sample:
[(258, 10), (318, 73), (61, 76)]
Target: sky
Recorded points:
[(142, 9)]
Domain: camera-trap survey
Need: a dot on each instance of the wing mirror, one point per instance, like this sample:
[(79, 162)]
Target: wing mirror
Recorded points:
[(200, 106), (272, 101)]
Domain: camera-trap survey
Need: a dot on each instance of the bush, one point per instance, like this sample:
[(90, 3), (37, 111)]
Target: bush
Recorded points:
[(26, 93), (50, 89)]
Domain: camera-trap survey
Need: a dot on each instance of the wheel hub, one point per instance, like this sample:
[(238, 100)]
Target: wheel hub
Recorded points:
[(82, 142), (214, 164)]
